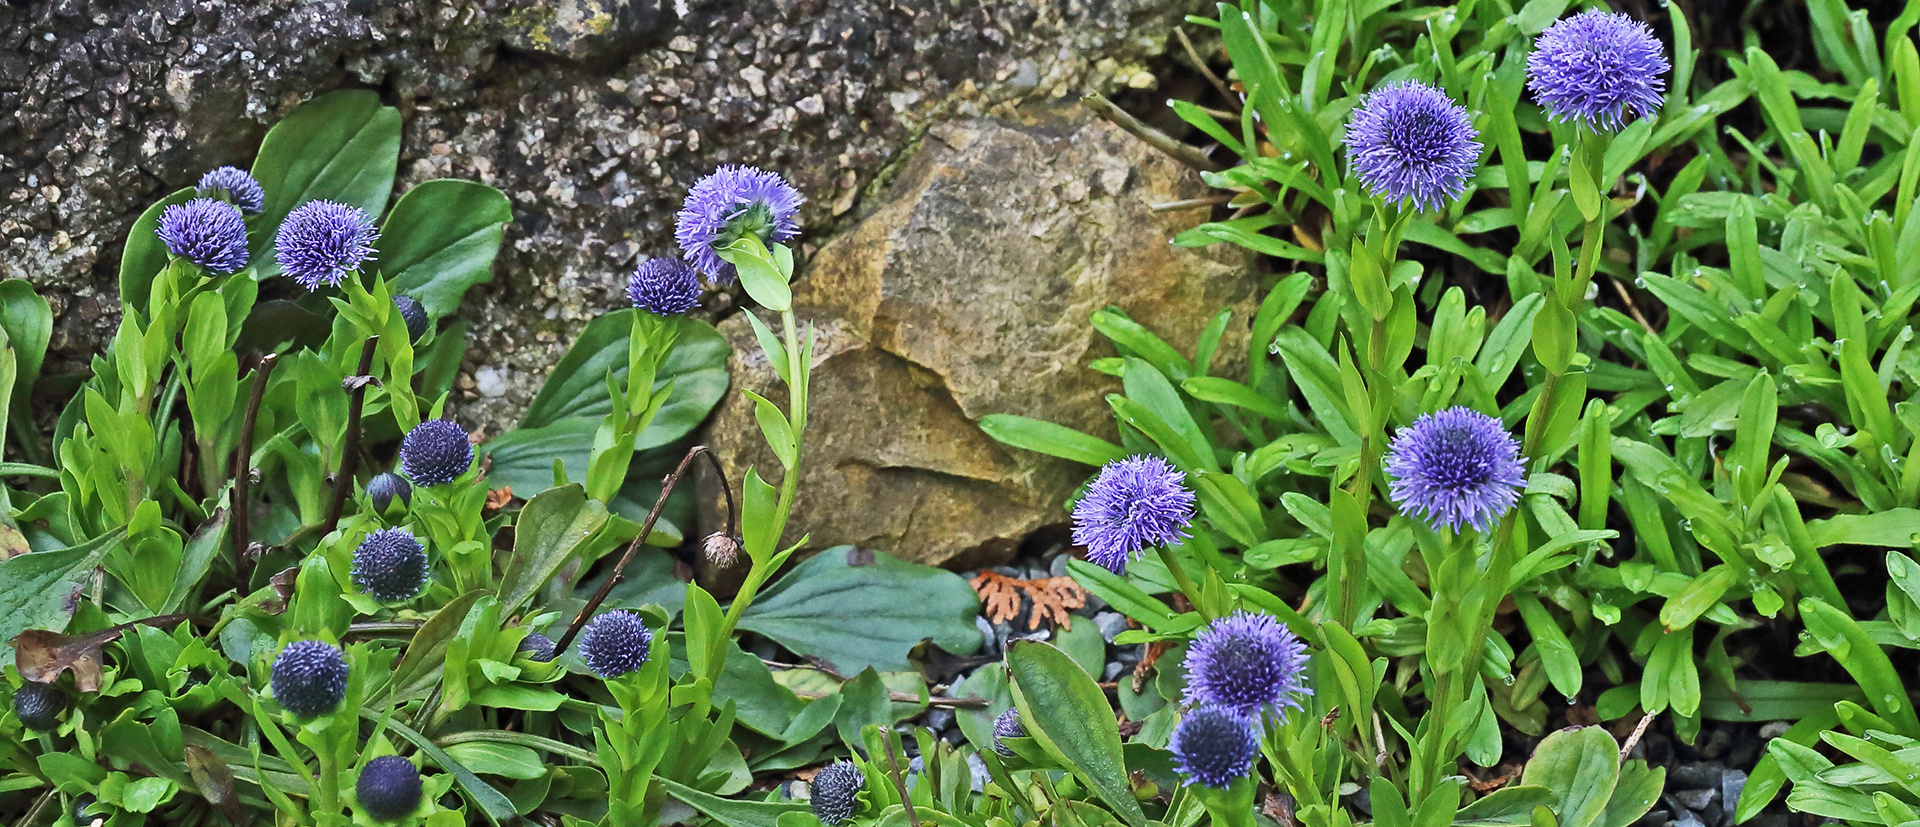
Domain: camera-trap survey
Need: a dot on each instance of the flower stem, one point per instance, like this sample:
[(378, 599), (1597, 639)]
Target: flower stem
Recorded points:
[(1180, 576)]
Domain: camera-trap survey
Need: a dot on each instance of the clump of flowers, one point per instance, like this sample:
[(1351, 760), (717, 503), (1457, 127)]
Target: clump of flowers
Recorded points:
[(413, 314), (1246, 663), (309, 678), (209, 233), (234, 186), (436, 452), (1408, 142), (1007, 725), (1134, 503), (664, 287), (729, 204), (1599, 69), (834, 791), (390, 565), (616, 643), (1213, 746), (38, 705), (1458, 467), (388, 787), (322, 241)]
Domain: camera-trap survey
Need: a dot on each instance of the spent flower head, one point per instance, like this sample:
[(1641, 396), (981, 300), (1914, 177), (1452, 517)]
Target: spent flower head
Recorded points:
[(1599, 69), (388, 787), (1454, 468), (322, 241), (206, 232), (616, 643), (309, 677), (38, 705), (1134, 503), (1247, 663), (436, 452), (390, 565), (1410, 143), (1213, 746), (729, 204), (664, 287), (234, 186), (833, 792)]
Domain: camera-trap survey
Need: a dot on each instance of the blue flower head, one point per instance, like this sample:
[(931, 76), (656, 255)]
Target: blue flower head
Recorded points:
[(1134, 503), (1007, 725), (731, 203), (436, 452), (322, 241), (1598, 69), (615, 643), (1247, 663), (413, 313), (310, 678), (834, 791), (388, 788), (206, 232), (1213, 746), (1410, 143), (386, 487), (38, 705), (664, 287), (234, 186), (390, 565), (539, 647), (1458, 467)]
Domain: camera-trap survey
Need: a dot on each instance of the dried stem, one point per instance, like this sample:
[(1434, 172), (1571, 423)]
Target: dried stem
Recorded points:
[(350, 454), (1189, 155), (1639, 729), (241, 529), (899, 778), (1200, 64), (646, 528)]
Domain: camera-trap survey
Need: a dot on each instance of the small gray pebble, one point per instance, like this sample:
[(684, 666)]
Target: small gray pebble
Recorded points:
[(1113, 670), (939, 719), (978, 769), (1688, 819), (1774, 730), (1111, 624), (991, 643), (1731, 786), (1057, 567), (1696, 800), (1698, 775)]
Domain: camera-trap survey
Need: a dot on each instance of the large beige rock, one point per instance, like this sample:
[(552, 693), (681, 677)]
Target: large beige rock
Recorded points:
[(967, 292)]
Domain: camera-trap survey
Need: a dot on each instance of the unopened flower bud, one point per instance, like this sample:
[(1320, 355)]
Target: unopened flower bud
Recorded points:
[(721, 549)]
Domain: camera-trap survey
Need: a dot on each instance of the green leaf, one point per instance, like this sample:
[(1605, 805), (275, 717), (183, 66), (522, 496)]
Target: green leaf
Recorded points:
[(342, 146), (1051, 439), (40, 590), (144, 256), (729, 812), (1068, 714), (1581, 766), (1892, 528), (855, 614), (440, 240), (549, 530), (504, 760), (1843, 638)]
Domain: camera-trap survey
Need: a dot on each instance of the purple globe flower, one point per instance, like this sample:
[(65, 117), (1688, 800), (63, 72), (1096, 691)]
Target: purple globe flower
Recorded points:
[(386, 487), (833, 793), (731, 203), (1247, 663), (1136, 502), (1410, 143), (1599, 69), (616, 643), (234, 186), (322, 241), (1213, 746), (539, 647), (390, 565), (309, 678), (1458, 467), (388, 787), (436, 452), (206, 232), (664, 287), (1007, 725)]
